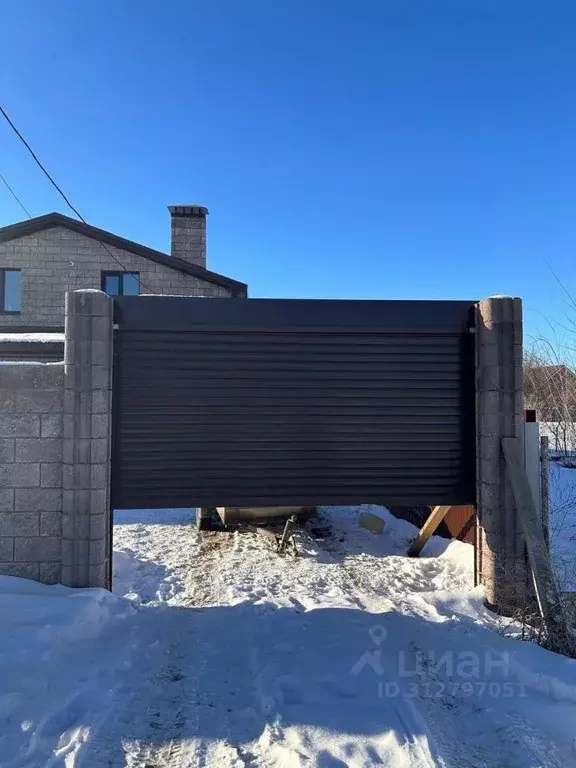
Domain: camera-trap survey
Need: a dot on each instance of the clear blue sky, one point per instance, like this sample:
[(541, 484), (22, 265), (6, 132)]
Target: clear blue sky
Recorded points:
[(375, 149)]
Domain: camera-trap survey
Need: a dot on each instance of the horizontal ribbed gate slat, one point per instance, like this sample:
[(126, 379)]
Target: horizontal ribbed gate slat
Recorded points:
[(213, 408)]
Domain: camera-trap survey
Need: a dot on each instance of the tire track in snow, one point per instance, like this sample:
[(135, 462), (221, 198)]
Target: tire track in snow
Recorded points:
[(155, 725), (180, 715), (144, 729), (354, 590), (183, 723), (274, 587)]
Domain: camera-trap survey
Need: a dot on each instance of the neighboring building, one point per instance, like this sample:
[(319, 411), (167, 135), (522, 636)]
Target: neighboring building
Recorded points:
[(42, 258), (550, 390)]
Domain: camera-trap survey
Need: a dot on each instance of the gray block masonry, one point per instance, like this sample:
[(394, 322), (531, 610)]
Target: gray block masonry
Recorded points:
[(55, 440), (501, 564), (31, 449), (57, 260), (86, 556)]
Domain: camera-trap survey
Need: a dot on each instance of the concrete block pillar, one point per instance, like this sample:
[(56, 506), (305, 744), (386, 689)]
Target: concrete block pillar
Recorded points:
[(86, 524), (501, 562)]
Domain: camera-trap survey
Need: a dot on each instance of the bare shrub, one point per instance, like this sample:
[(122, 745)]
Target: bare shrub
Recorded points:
[(550, 389)]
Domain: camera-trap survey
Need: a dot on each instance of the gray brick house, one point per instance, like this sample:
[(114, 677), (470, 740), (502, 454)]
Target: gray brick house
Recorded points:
[(41, 258)]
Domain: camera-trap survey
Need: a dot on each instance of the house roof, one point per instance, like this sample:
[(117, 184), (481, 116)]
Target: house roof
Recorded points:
[(31, 226)]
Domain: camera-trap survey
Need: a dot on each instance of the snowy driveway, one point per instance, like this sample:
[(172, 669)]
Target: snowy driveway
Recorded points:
[(218, 652)]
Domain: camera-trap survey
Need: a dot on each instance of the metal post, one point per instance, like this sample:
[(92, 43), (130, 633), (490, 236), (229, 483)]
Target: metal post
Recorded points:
[(545, 487), (532, 460)]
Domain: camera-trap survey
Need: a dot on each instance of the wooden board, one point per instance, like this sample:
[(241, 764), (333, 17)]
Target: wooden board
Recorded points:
[(545, 584), (435, 518)]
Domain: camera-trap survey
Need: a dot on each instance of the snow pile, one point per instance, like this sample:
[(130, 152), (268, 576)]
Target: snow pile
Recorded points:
[(220, 653), (59, 661)]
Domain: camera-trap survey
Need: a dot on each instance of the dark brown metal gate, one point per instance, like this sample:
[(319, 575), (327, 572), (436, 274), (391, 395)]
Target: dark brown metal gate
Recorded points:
[(261, 402)]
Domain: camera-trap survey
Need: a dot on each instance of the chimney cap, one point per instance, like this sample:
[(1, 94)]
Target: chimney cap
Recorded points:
[(188, 210)]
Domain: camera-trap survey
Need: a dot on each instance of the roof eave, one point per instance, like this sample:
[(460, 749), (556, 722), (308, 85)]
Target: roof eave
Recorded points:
[(50, 220)]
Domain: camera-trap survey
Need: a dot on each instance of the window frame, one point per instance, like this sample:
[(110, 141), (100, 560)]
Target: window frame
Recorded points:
[(3, 310), (120, 275)]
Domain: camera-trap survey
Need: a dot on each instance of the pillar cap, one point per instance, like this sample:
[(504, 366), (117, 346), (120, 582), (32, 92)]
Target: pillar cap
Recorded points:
[(188, 210)]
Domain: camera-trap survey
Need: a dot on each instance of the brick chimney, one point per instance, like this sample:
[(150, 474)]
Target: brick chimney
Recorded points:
[(189, 233)]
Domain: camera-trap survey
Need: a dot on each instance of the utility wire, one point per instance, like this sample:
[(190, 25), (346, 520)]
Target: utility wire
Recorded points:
[(15, 196), (560, 283), (39, 164), (61, 193)]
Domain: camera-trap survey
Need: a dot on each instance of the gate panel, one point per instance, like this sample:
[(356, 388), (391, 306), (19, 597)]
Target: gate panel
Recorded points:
[(223, 402)]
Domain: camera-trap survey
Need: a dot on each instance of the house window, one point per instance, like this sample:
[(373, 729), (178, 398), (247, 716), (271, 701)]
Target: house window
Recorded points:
[(121, 283), (10, 290)]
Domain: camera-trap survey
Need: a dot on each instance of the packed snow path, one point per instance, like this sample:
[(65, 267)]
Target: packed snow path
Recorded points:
[(220, 653)]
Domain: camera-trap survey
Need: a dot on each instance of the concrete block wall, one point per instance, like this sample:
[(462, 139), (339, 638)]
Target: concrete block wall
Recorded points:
[(501, 563), (31, 451), (55, 446), (86, 555)]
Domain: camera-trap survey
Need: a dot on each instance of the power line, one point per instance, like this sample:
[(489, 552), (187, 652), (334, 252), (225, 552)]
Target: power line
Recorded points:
[(39, 164), (560, 283), (61, 193), (15, 196)]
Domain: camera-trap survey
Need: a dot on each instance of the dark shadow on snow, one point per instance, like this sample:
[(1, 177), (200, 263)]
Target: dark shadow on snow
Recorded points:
[(340, 545)]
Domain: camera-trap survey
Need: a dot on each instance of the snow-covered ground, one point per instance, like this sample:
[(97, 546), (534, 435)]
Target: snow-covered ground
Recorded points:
[(563, 523), (217, 652), (561, 435)]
